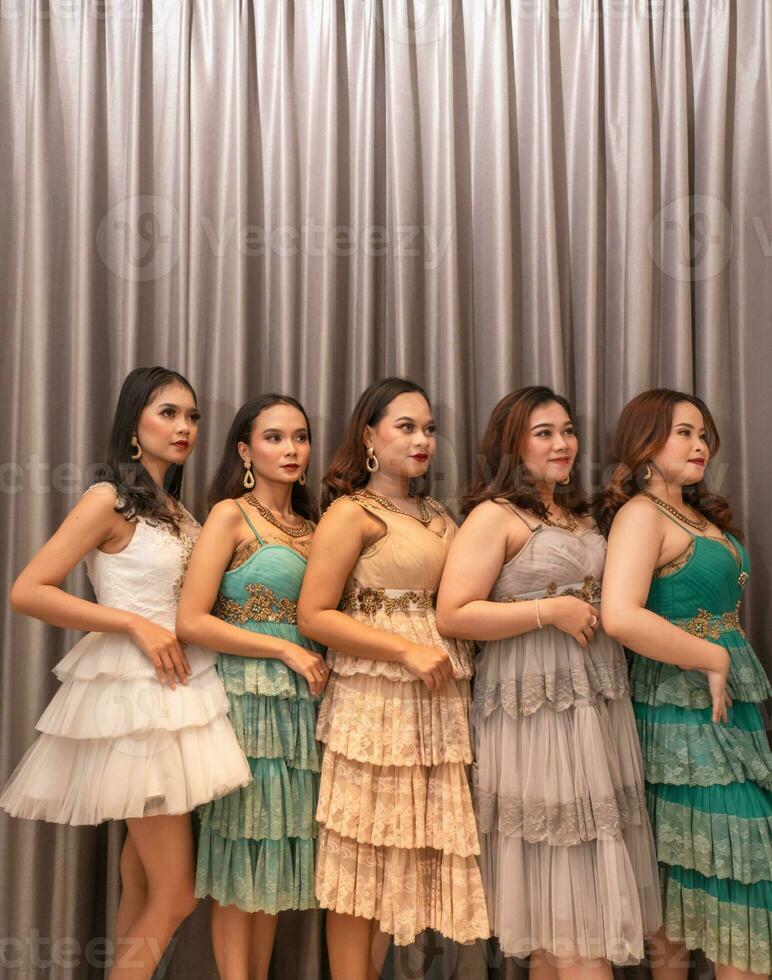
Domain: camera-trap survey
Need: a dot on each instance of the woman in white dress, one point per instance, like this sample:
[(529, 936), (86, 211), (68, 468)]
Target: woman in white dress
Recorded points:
[(139, 729)]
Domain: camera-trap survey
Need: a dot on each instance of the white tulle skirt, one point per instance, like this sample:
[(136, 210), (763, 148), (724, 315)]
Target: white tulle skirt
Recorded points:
[(116, 743)]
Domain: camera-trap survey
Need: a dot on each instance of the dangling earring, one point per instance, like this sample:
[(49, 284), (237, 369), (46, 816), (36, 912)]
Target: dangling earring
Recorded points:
[(137, 454), (371, 462), (647, 473), (302, 479), (249, 479)]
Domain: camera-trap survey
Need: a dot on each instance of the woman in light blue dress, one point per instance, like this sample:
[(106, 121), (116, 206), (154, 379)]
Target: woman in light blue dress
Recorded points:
[(256, 846)]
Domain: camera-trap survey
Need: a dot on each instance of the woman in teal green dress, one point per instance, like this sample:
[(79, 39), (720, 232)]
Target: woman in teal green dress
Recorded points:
[(672, 593), (256, 846)]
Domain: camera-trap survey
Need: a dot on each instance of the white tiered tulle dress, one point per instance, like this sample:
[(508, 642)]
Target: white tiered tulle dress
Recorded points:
[(114, 742)]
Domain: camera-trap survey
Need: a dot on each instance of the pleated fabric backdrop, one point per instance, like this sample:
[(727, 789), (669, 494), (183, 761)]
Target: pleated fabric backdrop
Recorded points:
[(304, 196)]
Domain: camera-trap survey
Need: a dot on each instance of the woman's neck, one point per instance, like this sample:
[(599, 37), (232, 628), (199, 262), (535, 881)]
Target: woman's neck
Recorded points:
[(387, 485), (670, 492), (277, 497)]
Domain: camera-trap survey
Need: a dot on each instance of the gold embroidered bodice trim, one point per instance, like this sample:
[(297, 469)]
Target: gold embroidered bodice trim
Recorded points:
[(590, 591), (361, 497), (677, 563), (245, 550), (710, 626), (370, 600), (262, 606)]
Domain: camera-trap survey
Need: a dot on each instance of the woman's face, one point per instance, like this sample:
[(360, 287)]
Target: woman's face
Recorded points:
[(405, 438), (168, 425), (685, 455), (279, 447), (550, 445)]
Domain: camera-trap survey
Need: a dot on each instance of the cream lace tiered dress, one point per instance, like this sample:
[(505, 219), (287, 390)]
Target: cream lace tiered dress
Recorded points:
[(397, 836)]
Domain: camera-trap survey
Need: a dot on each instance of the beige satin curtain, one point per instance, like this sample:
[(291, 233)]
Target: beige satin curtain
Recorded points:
[(304, 196)]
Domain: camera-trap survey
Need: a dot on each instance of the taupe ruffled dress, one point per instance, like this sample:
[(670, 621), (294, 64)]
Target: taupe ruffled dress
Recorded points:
[(397, 838), (568, 856)]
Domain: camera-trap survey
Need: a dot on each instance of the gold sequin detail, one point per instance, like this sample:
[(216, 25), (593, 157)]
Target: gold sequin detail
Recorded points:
[(244, 551), (742, 578), (709, 626), (590, 591), (671, 567), (262, 606), (370, 600)]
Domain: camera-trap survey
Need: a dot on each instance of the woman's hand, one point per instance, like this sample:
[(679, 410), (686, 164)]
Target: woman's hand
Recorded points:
[(571, 615), (430, 664), (163, 650), (307, 663), (717, 679)]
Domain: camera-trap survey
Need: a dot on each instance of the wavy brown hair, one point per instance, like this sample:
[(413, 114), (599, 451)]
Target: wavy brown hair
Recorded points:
[(642, 430), (347, 471), (500, 472), (228, 481)]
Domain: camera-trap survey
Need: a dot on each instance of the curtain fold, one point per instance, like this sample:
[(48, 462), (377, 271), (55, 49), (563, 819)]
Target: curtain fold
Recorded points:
[(304, 196)]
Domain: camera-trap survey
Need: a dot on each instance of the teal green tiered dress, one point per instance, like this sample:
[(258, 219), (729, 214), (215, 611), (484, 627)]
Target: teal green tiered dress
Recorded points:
[(709, 786), (256, 846)]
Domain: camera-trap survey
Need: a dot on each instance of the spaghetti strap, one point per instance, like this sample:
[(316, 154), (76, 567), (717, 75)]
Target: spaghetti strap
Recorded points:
[(252, 526), (676, 521), (518, 514)]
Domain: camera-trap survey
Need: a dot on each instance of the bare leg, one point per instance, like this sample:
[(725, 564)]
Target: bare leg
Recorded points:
[(348, 946), (133, 889), (584, 970), (541, 966), (165, 848), (726, 972), (669, 960), (379, 948), (263, 935), (231, 939)]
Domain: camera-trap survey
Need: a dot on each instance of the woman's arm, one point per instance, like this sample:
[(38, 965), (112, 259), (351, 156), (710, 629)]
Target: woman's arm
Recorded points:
[(633, 552), (92, 523), (344, 531), (474, 563), (195, 623)]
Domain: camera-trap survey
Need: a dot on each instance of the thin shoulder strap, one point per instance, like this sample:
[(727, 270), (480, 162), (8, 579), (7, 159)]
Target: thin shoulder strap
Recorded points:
[(674, 519), (518, 514), (252, 526)]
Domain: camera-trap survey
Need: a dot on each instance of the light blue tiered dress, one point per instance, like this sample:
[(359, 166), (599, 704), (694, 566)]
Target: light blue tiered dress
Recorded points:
[(257, 846)]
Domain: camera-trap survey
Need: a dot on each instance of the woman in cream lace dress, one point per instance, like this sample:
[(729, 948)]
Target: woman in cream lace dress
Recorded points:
[(397, 839)]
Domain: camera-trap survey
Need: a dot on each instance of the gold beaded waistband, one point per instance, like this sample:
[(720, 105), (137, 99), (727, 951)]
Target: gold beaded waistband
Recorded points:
[(369, 600), (261, 606), (710, 626), (589, 590)]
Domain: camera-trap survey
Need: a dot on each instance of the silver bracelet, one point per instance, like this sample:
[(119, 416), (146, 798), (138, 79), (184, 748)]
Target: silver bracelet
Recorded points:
[(538, 617)]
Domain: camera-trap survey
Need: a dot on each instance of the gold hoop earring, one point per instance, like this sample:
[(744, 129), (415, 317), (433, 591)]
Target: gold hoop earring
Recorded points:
[(647, 473), (371, 462), (137, 454), (249, 479), (302, 479), (564, 483)]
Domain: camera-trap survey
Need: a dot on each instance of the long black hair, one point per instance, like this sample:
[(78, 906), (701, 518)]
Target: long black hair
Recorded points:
[(138, 494), (228, 481)]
